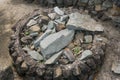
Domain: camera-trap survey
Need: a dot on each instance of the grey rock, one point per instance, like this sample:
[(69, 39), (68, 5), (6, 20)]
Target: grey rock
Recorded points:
[(116, 67), (85, 54), (58, 21), (79, 21), (51, 25), (33, 34), (97, 2), (82, 2), (91, 2), (31, 22), (117, 2), (107, 4), (74, 2), (52, 15), (58, 11), (88, 38), (53, 30), (29, 1), (44, 28), (37, 42), (55, 42), (68, 53), (54, 58), (116, 20), (64, 18), (68, 2), (36, 17), (51, 1), (59, 2), (35, 55)]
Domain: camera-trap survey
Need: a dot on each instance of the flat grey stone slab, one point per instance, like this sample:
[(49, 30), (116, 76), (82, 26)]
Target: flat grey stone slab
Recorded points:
[(54, 58), (37, 42), (55, 42), (58, 11), (79, 21)]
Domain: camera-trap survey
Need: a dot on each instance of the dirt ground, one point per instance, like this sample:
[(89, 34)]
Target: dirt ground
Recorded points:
[(112, 53), (12, 11)]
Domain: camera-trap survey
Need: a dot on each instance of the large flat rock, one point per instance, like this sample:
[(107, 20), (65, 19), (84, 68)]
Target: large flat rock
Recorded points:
[(79, 21), (55, 42)]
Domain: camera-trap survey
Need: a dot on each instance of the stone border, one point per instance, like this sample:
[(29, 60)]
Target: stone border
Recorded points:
[(28, 66), (89, 4), (7, 74)]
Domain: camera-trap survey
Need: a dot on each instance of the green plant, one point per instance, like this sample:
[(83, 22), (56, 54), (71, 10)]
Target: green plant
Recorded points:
[(76, 50), (27, 33)]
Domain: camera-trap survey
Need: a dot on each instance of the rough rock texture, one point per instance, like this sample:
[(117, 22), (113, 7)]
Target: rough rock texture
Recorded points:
[(86, 54), (88, 38), (58, 11), (76, 70), (34, 54), (68, 53), (54, 58), (37, 41), (52, 15), (55, 42), (79, 21)]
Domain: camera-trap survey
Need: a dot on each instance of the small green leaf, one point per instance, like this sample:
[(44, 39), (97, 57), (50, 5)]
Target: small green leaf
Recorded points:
[(27, 33)]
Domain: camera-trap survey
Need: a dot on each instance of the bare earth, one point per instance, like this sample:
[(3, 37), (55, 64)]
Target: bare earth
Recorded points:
[(12, 11)]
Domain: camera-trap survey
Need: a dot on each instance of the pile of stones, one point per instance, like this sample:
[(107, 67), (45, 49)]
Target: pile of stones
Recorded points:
[(58, 45), (112, 7), (90, 4)]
